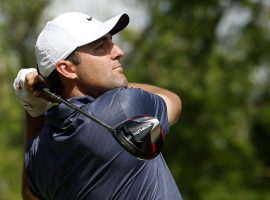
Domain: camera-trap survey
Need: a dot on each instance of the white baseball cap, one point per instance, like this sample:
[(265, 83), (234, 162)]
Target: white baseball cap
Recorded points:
[(65, 33)]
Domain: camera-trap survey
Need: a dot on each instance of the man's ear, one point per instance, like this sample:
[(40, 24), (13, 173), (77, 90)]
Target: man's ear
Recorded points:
[(66, 69)]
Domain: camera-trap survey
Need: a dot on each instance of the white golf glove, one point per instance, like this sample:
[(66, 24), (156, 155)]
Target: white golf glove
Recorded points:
[(35, 106)]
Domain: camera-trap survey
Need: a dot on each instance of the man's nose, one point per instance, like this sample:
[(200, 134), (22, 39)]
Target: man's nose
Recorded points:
[(117, 52)]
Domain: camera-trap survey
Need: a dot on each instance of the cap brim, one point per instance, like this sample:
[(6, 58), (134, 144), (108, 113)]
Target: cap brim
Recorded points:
[(120, 21), (112, 26)]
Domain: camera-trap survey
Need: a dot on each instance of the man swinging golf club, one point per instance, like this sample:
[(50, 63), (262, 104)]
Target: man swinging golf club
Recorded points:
[(71, 156)]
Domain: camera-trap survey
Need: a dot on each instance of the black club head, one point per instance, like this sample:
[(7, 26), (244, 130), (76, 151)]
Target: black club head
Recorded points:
[(141, 136)]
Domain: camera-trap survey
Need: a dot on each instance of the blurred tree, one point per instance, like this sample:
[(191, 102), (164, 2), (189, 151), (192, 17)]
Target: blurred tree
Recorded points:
[(213, 53), (18, 25), (210, 53)]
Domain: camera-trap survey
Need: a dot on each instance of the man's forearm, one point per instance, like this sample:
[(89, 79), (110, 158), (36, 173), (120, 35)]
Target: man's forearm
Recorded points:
[(26, 193), (147, 87), (33, 125)]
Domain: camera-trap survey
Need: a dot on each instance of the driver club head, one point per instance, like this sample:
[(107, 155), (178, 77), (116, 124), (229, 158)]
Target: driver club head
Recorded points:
[(141, 136)]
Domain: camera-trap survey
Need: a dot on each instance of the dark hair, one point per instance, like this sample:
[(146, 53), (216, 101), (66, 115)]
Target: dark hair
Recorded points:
[(54, 81), (73, 57)]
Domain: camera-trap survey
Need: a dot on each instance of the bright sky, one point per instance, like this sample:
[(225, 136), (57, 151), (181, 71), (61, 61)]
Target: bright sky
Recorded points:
[(101, 9)]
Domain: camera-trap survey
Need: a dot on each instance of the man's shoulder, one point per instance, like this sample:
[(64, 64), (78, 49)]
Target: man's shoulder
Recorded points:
[(126, 92), (125, 99)]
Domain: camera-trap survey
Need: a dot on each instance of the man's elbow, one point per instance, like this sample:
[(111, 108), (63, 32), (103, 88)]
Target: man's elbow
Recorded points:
[(174, 106), (176, 109)]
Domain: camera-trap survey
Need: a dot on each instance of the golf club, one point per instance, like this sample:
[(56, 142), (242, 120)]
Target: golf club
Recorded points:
[(142, 136)]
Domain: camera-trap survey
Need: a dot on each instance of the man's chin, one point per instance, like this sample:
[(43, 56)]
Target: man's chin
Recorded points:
[(122, 83)]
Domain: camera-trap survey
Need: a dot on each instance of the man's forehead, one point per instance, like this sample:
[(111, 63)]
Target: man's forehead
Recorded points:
[(92, 44), (105, 37)]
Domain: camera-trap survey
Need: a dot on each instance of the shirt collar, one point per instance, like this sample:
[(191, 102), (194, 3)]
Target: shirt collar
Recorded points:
[(60, 114)]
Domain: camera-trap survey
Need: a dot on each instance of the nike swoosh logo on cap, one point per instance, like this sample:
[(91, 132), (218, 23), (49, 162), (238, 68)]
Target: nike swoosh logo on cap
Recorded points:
[(89, 19)]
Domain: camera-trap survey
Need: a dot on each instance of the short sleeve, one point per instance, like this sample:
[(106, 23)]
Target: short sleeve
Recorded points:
[(137, 102)]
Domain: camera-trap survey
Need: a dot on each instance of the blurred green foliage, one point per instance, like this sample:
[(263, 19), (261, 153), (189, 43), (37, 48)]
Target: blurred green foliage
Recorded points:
[(213, 53), (19, 22)]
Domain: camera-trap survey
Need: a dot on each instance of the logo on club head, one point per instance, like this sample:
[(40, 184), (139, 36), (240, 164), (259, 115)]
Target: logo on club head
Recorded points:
[(89, 18), (143, 128)]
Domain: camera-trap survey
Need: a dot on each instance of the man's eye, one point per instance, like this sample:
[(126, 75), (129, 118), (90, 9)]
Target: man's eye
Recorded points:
[(100, 46)]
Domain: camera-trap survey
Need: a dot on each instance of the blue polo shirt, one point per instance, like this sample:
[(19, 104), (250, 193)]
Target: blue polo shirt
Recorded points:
[(75, 158)]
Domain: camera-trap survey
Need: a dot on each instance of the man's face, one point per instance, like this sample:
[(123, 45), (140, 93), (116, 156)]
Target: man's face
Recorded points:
[(100, 69)]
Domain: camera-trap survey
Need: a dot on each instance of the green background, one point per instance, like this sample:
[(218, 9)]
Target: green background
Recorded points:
[(220, 147)]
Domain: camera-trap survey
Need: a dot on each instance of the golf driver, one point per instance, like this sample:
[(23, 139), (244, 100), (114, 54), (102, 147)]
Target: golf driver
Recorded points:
[(142, 136)]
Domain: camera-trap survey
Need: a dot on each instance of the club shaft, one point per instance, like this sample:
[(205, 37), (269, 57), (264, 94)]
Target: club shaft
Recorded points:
[(59, 99)]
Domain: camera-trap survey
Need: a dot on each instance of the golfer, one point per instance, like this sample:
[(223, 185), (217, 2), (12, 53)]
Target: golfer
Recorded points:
[(67, 155)]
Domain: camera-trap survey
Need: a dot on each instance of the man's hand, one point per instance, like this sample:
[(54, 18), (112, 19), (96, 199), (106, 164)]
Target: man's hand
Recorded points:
[(24, 89)]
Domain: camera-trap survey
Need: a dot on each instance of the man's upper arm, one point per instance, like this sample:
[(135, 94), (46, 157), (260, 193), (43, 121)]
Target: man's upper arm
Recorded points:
[(137, 102), (172, 100)]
